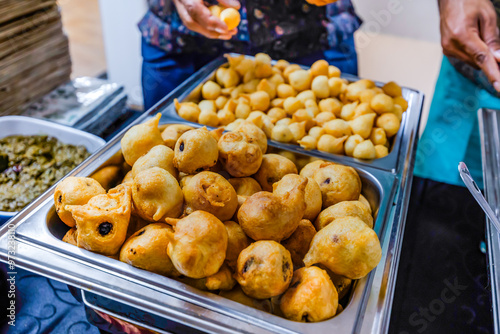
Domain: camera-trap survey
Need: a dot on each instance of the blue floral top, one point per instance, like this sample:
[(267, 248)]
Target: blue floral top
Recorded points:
[(281, 28)]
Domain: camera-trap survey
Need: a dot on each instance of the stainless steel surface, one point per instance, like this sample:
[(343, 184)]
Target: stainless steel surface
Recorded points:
[(39, 249), (390, 162), (476, 193), (489, 126)]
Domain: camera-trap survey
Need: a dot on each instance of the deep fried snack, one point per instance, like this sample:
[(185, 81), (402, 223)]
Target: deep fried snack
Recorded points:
[(309, 169), (272, 169), (311, 297), (337, 183), (344, 209), (346, 246), (198, 246), (71, 236), (237, 295), (156, 195), (173, 132), (264, 269), (147, 249), (139, 139), (342, 284), (108, 176), (245, 186), (298, 243), (136, 223), (74, 191), (274, 216), (240, 156), (222, 280), (212, 193), (128, 177), (313, 200), (102, 223), (237, 241), (195, 151), (254, 133), (159, 156), (363, 200)]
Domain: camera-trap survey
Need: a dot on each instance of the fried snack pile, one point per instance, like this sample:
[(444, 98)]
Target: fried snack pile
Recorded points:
[(219, 213), (313, 108)]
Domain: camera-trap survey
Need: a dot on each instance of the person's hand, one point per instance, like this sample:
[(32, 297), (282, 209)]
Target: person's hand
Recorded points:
[(320, 3), (469, 32), (198, 18)]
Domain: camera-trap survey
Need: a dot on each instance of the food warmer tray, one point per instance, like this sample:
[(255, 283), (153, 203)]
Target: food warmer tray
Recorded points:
[(38, 248), (489, 126)]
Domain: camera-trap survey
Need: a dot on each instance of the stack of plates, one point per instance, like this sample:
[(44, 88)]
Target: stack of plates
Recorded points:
[(34, 53)]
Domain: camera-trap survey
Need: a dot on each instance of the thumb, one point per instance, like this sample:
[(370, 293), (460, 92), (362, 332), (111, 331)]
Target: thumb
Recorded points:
[(230, 3)]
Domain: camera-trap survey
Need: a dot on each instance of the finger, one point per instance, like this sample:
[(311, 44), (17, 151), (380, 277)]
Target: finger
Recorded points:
[(456, 52), (483, 58), (230, 3), (202, 15), (489, 32)]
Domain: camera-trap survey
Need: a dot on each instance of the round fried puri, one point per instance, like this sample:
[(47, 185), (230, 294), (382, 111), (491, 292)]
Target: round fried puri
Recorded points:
[(198, 247), (139, 139), (74, 191), (237, 241), (264, 269), (274, 216), (212, 193), (240, 156), (344, 209), (337, 183), (272, 169), (298, 243), (195, 151), (311, 297), (147, 249), (346, 246), (156, 195), (159, 156)]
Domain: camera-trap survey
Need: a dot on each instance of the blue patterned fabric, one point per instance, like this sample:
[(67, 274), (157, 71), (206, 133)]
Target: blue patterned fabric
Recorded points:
[(281, 28)]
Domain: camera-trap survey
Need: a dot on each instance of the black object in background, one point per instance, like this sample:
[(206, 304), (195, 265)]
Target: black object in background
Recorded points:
[(442, 284)]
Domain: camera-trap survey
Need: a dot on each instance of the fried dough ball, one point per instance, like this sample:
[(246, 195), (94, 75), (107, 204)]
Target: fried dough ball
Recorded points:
[(274, 216), (346, 246), (159, 156), (351, 143), (237, 241), (344, 209), (74, 191), (156, 195), (330, 105), (282, 133), (378, 136), (239, 155), (102, 223), (245, 186), (212, 193), (308, 142), (292, 104), (381, 151), (367, 95), (319, 67), (237, 295), (337, 128), (392, 89), (323, 118), (331, 144), (173, 132), (320, 87), (382, 103), (298, 243), (108, 176), (364, 201), (399, 100), (254, 133), (195, 151), (139, 139), (264, 269), (272, 169), (285, 90), (389, 122), (210, 90), (268, 87), (71, 237), (312, 197), (365, 150), (147, 249), (309, 169), (306, 96), (312, 297), (128, 177), (188, 110), (300, 80), (337, 183), (362, 125), (276, 114), (333, 71), (298, 130), (198, 246)]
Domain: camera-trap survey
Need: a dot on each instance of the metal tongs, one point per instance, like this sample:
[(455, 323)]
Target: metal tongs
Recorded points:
[(474, 190)]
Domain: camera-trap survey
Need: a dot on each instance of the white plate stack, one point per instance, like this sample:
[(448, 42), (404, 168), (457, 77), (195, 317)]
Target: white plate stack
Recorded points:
[(34, 52)]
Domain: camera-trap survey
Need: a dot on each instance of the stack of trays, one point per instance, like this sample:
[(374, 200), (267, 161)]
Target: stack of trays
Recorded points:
[(34, 52)]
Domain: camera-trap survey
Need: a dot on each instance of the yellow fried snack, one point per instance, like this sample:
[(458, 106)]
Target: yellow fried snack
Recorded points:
[(237, 295), (147, 249), (389, 122), (173, 132), (108, 176), (245, 186), (156, 195), (346, 246), (351, 143), (159, 156), (139, 139), (74, 191), (365, 150), (222, 280), (298, 243), (344, 209), (309, 169), (331, 144), (237, 241), (212, 193), (264, 269), (102, 223), (254, 133), (312, 297), (71, 236), (240, 156), (337, 183), (274, 216), (272, 169), (195, 151), (198, 246)]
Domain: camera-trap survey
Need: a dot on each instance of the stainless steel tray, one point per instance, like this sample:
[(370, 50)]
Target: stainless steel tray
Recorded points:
[(390, 162), (489, 126), (39, 249)]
